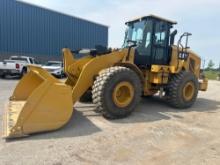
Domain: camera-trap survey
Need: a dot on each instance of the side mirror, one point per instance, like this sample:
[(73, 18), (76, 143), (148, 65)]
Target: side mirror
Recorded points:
[(172, 37), (133, 43)]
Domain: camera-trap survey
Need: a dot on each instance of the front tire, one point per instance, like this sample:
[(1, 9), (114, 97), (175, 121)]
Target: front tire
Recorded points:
[(23, 72), (2, 76), (86, 97), (116, 92), (182, 90)]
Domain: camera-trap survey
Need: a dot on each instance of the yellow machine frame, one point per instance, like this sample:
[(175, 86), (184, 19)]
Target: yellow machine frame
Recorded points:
[(36, 104)]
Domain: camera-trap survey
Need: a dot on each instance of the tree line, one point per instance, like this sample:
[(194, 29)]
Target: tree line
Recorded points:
[(211, 65)]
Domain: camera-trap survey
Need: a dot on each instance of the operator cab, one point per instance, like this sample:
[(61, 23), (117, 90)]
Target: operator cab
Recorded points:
[(152, 39)]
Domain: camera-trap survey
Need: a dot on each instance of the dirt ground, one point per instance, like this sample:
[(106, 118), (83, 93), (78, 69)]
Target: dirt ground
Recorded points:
[(155, 134)]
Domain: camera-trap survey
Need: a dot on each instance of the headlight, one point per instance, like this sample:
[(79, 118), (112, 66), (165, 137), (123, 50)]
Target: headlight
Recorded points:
[(58, 71)]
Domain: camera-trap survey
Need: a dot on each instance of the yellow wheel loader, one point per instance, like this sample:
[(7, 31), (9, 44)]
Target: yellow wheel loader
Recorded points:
[(148, 63)]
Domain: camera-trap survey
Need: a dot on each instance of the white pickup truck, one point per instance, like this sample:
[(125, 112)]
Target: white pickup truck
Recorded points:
[(16, 65)]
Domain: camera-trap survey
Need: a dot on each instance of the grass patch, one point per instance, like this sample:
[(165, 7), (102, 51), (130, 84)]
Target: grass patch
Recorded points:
[(212, 75)]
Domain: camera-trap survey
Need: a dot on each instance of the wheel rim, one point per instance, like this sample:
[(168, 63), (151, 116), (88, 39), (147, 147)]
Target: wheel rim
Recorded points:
[(123, 94), (188, 91)]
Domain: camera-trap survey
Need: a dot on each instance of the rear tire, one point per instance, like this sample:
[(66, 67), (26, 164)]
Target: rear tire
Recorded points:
[(182, 90), (116, 92)]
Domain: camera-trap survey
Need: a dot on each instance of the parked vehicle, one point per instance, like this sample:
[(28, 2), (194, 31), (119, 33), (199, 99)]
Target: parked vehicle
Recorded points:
[(55, 68), (16, 66)]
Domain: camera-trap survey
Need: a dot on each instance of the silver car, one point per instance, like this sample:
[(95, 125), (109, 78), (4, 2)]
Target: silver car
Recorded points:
[(55, 68)]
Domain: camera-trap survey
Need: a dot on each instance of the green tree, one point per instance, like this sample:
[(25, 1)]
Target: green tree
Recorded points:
[(211, 64)]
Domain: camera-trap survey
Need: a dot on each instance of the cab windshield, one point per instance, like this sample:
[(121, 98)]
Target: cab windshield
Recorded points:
[(134, 33)]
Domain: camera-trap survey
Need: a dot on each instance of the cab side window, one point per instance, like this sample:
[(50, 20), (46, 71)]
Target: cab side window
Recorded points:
[(160, 34), (160, 38), (148, 40)]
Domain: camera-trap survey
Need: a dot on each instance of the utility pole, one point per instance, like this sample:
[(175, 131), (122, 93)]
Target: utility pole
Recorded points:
[(203, 67), (218, 77), (218, 70)]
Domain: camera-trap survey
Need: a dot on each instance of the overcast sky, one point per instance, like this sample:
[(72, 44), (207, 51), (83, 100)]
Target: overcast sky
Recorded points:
[(200, 17)]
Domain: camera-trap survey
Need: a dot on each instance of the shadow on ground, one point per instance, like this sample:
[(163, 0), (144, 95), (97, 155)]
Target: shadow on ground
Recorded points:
[(154, 109), (18, 78), (11, 78), (79, 125), (149, 110)]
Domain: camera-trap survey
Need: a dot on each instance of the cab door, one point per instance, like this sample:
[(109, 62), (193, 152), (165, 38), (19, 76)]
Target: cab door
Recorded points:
[(160, 47), (144, 49)]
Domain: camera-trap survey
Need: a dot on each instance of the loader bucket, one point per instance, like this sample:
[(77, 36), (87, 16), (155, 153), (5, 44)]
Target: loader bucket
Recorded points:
[(39, 103)]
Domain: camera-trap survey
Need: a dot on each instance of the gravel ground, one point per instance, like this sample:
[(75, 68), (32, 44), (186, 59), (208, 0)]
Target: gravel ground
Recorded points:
[(155, 134)]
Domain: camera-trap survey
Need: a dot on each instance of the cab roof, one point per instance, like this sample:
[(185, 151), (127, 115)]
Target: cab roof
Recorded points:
[(152, 16)]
